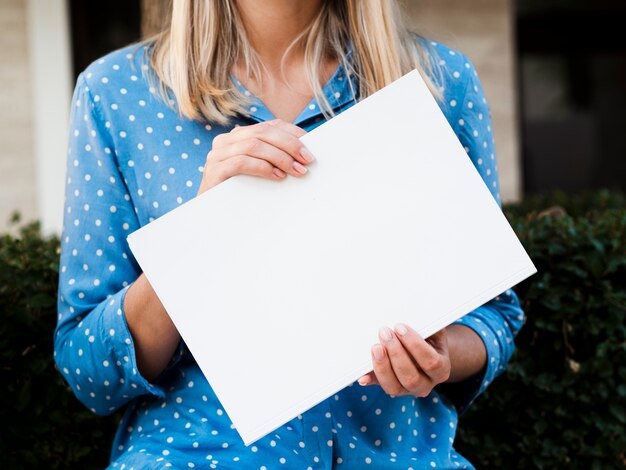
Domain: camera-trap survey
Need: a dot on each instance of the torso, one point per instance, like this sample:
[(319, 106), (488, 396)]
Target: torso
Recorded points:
[(159, 157)]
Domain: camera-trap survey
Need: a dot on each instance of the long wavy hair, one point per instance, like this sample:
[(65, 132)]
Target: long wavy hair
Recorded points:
[(193, 55)]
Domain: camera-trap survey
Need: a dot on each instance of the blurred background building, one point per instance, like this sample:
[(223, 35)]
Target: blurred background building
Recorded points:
[(554, 72)]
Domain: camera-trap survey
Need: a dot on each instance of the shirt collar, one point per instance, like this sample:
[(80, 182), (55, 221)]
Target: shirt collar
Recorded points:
[(340, 89)]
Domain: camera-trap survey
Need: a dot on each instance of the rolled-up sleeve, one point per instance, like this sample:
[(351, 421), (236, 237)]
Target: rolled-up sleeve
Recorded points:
[(93, 347), (498, 321)]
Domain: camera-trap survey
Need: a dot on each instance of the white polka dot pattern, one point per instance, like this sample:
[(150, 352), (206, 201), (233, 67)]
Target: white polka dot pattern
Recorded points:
[(130, 160)]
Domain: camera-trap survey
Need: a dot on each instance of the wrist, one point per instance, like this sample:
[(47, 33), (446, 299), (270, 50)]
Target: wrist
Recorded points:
[(468, 354)]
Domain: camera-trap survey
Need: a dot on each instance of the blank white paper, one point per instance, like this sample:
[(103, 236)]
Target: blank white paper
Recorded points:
[(279, 288)]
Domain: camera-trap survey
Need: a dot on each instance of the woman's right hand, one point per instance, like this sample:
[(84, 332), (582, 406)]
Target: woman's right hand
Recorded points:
[(270, 149)]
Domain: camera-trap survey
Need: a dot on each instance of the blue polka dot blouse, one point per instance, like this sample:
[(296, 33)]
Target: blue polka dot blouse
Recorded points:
[(130, 160)]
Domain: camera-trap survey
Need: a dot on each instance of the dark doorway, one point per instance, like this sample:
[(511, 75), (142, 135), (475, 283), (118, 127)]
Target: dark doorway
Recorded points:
[(572, 77), (99, 27)]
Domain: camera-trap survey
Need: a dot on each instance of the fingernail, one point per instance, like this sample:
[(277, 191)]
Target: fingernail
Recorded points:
[(364, 380), (307, 155), (377, 350), (401, 329), (385, 334), (278, 172), (299, 167)]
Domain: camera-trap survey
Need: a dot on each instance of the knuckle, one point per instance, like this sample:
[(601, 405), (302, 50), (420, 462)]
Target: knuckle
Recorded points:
[(431, 364), (263, 127), (445, 375), (278, 122), (238, 163), (252, 145), (217, 140), (261, 168), (285, 162), (412, 383), (446, 370), (266, 169), (294, 145), (394, 351)]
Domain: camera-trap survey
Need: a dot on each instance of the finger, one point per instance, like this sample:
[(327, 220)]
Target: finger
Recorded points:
[(274, 135), (402, 363), (384, 372), (288, 127), (257, 148), (292, 144), (429, 360), (368, 379), (246, 165), (220, 139)]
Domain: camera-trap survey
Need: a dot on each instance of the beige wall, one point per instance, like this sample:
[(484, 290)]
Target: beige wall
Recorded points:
[(482, 29), (51, 89), (35, 94), (17, 168)]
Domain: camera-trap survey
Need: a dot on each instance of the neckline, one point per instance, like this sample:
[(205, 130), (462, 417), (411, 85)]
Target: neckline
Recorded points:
[(336, 95)]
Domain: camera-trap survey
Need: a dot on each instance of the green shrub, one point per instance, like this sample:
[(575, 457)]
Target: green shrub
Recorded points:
[(562, 402), (575, 205), (42, 424)]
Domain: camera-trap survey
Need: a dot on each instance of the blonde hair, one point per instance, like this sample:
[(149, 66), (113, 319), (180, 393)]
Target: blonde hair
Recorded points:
[(194, 54)]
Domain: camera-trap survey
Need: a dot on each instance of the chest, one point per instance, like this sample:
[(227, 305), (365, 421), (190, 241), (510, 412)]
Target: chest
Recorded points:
[(286, 104), (163, 170), (162, 156), (286, 98)]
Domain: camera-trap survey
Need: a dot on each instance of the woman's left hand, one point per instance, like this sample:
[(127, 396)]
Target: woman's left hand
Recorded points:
[(407, 364)]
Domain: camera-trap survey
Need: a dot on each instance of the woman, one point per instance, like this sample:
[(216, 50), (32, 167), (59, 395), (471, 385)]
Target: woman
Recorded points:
[(227, 89)]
